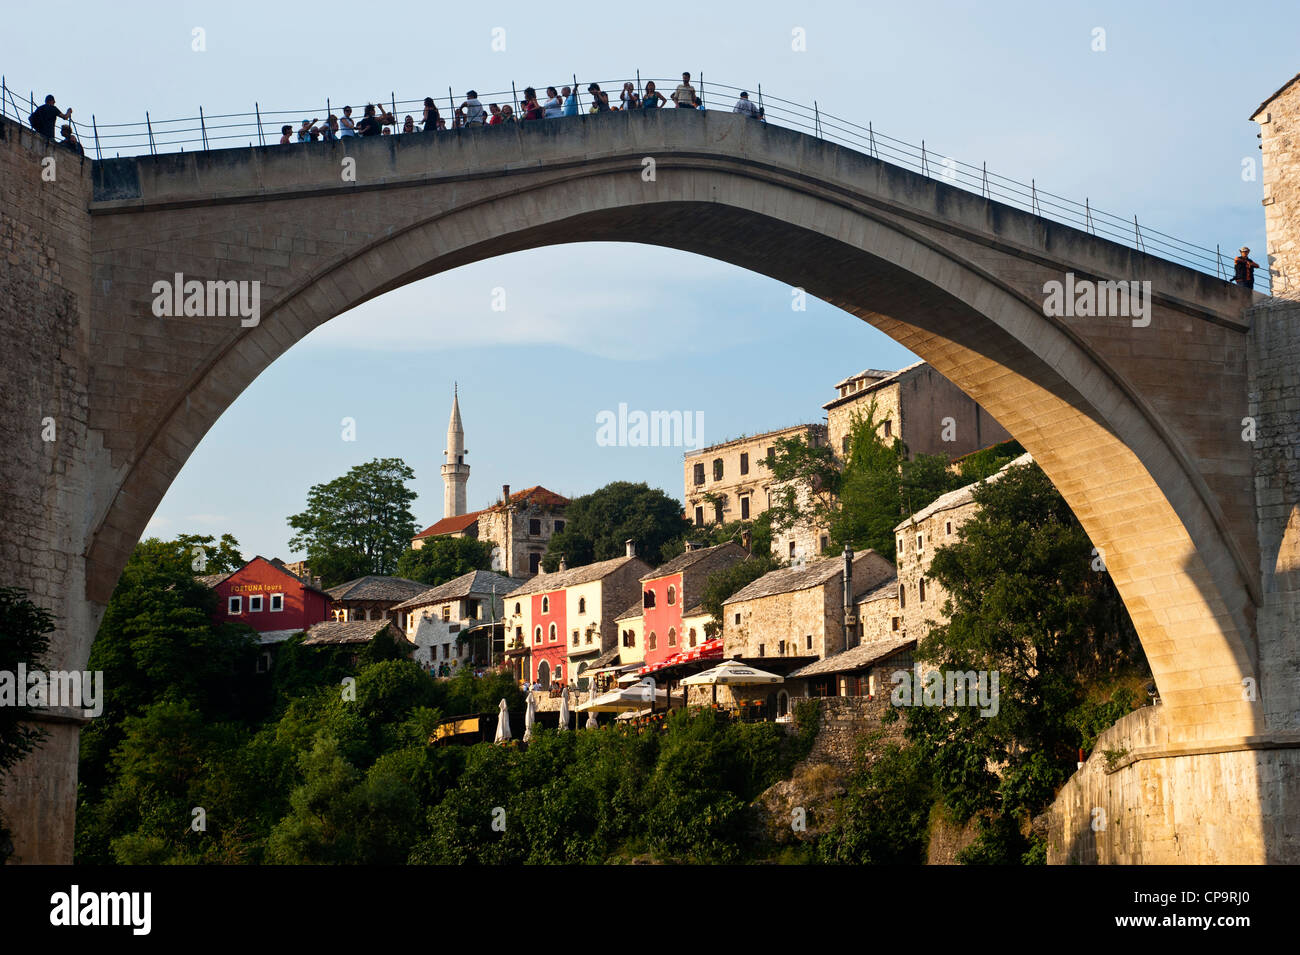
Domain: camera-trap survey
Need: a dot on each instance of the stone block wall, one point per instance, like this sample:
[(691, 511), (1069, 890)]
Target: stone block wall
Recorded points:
[(1279, 124)]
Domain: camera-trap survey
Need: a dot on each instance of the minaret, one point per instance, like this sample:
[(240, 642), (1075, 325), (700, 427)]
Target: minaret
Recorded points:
[(455, 472)]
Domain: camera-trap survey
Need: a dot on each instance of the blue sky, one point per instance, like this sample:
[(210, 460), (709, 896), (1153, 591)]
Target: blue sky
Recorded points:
[(1157, 125)]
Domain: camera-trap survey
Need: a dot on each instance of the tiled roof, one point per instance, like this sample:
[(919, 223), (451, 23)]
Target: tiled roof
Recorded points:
[(696, 611), (632, 612), (535, 496), (1281, 89), (213, 580), (963, 495), (475, 582), (608, 658), (574, 576), (449, 525), (863, 655), (786, 580), (333, 632), (689, 558), (375, 587), (747, 439), (887, 588)]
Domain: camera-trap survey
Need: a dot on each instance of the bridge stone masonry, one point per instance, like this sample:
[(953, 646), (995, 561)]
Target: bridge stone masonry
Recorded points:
[(1139, 427)]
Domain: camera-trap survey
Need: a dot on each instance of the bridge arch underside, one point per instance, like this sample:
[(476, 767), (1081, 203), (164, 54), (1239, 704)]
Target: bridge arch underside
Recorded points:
[(1119, 441)]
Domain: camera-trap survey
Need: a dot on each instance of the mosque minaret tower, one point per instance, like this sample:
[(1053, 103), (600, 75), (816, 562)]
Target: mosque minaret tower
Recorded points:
[(455, 472)]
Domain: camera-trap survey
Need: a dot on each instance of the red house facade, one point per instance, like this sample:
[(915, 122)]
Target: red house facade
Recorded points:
[(266, 597), (548, 640), (677, 586)]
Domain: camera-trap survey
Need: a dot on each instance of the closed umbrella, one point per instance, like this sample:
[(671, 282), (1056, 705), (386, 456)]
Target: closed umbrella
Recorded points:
[(564, 708), (591, 720), (530, 717), (503, 723)]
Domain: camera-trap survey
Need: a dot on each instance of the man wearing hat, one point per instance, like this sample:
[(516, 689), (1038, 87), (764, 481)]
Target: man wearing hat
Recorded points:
[(746, 106), (1243, 269)]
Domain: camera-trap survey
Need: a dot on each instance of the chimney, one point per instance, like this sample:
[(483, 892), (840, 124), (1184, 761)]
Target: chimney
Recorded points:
[(630, 545), (747, 540), (850, 618), (505, 493), (563, 563)]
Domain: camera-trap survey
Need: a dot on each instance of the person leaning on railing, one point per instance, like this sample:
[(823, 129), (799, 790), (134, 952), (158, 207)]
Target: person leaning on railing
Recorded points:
[(43, 117), (653, 99)]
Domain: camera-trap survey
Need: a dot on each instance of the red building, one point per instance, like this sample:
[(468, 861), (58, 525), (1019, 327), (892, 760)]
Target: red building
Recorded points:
[(677, 586), (266, 597), (548, 642)]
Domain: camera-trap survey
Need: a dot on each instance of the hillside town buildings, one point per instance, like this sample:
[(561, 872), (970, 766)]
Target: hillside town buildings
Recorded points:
[(373, 597), (448, 622), (264, 595), (729, 482)]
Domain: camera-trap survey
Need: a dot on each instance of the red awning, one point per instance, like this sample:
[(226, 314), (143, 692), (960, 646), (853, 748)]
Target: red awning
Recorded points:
[(708, 650)]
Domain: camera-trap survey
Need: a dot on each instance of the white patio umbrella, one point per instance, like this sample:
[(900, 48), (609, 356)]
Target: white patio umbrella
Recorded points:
[(503, 723), (564, 709), (634, 697), (530, 716), (731, 673)]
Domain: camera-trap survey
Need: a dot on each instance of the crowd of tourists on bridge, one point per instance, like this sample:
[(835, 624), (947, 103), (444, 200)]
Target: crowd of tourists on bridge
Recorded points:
[(555, 104)]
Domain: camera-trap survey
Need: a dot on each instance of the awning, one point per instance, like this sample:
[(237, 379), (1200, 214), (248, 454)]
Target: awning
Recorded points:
[(708, 650), (637, 696)]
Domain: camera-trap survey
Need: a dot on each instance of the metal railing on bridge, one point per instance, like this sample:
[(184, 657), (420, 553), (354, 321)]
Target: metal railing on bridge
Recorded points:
[(206, 131)]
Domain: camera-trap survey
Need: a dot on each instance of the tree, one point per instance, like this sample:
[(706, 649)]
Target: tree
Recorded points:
[(24, 639), (444, 558), (598, 524), (1025, 601), (806, 484), (357, 524)]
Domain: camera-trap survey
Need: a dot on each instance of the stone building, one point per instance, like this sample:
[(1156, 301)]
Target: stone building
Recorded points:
[(728, 482), (671, 593), (519, 527), (798, 612), (374, 597), (863, 672), (568, 618), (1279, 123), (917, 405), (920, 599), (438, 620), (631, 633)]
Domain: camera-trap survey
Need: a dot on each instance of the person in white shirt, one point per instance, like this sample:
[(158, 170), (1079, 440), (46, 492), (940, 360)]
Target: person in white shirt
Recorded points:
[(746, 106), (554, 106), (472, 110)]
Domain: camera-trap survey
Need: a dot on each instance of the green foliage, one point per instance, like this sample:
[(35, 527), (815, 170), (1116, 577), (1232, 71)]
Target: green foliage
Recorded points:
[(806, 483), (711, 535), (357, 524), (1024, 601), (598, 524), (441, 559), (24, 638), (883, 818), (985, 463)]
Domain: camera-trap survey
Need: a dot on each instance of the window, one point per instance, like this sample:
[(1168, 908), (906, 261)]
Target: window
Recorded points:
[(699, 517), (546, 605), (902, 596), (761, 648), (652, 641), (538, 635), (791, 550), (672, 636), (947, 528), (559, 673), (277, 603), (255, 603), (629, 638), (780, 648), (672, 595), (235, 605), (471, 609), (582, 605), (446, 612), (692, 636), (717, 469), (559, 526), (446, 651), (590, 631), (900, 547), (737, 619), (575, 638), (744, 508), (825, 541), (518, 609), (771, 454), (889, 428), (920, 543), (744, 463), (920, 590), (550, 634), (699, 473), (534, 527), (648, 599), (264, 662), (519, 634), (808, 642), (534, 563), (717, 511), (844, 445), (893, 623)]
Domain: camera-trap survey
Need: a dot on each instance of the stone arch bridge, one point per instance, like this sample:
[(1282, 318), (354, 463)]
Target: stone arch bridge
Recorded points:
[(1138, 424)]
